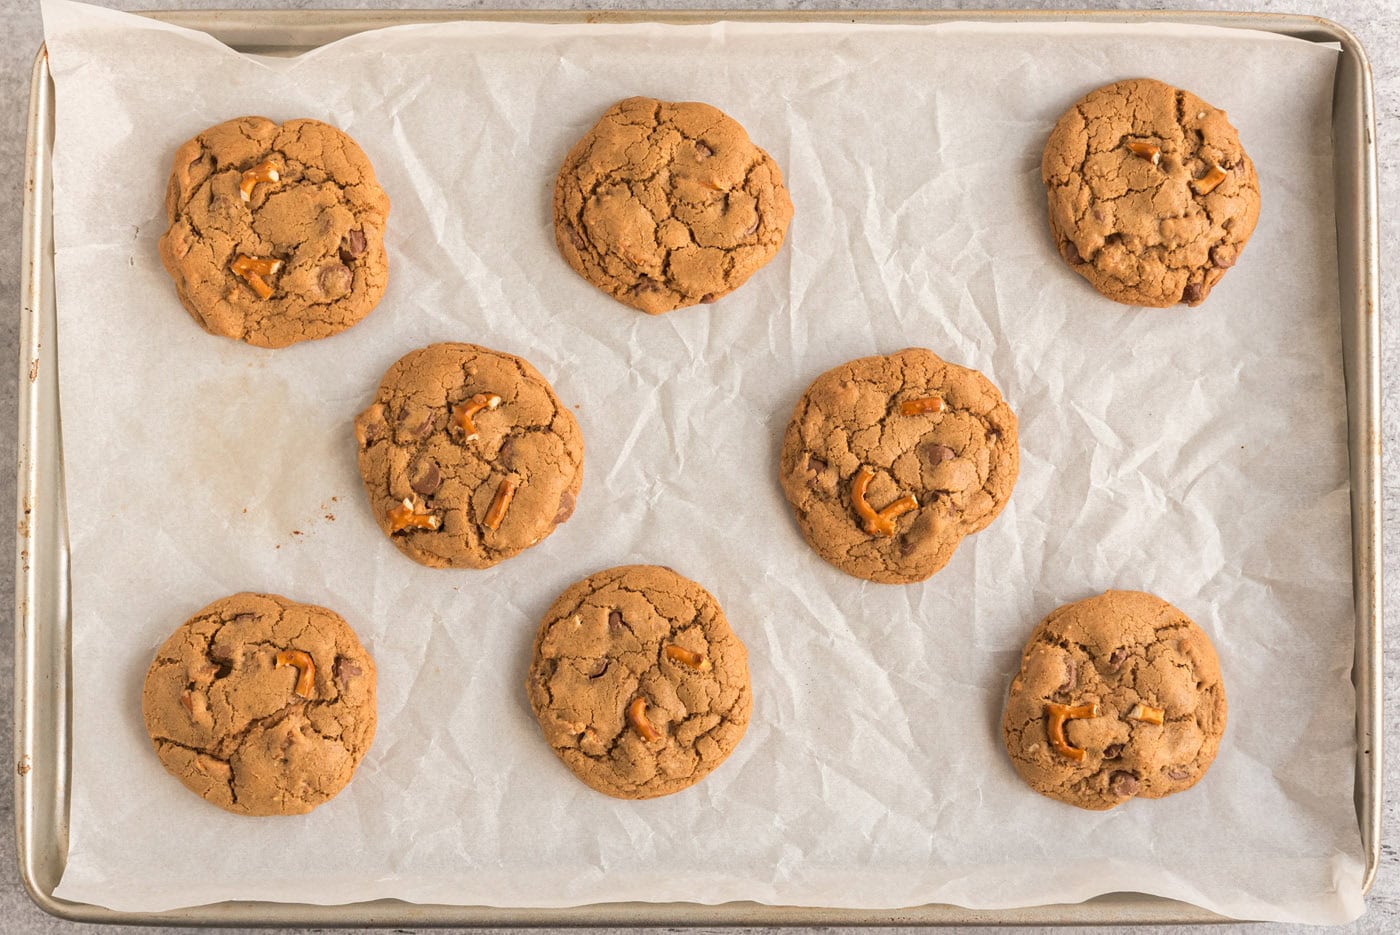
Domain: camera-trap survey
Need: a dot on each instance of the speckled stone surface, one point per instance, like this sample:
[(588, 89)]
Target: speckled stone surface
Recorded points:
[(1375, 22)]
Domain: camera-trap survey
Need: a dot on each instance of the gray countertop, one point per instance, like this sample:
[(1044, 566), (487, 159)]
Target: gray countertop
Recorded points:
[(1375, 22)]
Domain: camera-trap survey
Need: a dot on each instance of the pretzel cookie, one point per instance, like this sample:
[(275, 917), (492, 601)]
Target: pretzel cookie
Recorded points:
[(261, 705), (889, 462), (276, 231), (467, 456), (1119, 696), (665, 205), (1151, 195), (639, 684)]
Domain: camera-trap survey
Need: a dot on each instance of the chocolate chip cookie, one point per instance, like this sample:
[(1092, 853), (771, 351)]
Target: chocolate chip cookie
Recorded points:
[(1118, 696), (664, 205), (639, 685), (261, 705), (276, 231), (1151, 195), (890, 461), (467, 456)]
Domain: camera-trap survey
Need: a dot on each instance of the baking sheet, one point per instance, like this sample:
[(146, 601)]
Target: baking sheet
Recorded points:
[(1197, 454)]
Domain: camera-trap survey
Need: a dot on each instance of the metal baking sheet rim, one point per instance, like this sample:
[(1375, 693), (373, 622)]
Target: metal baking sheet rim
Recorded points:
[(43, 729)]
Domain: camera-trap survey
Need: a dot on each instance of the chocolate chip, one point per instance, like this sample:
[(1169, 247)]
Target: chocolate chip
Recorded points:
[(369, 425), (1178, 773), (1192, 293), (419, 430), (599, 668), (345, 669), (428, 479), (1223, 256), (753, 228), (1071, 253), (709, 298), (566, 507), (336, 280), (225, 666), (1123, 783), (702, 151), (1115, 659), (647, 285), (1112, 751), (615, 624), (815, 464), (242, 620), (576, 238), (352, 245), (1071, 676), (937, 454), (507, 452)]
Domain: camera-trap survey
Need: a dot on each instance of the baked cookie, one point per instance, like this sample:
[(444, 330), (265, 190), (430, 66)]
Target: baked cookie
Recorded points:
[(467, 455), (276, 231), (890, 461), (1118, 696), (1151, 195), (639, 685), (261, 705), (664, 205)]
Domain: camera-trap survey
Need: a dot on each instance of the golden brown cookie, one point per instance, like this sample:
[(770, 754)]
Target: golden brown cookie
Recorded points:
[(261, 705), (1118, 696), (639, 685), (1151, 195), (276, 231), (664, 205), (467, 456), (889, 462)]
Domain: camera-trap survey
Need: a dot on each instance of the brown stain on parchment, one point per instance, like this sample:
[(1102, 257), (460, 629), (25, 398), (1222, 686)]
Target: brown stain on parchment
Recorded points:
[(237, 453)]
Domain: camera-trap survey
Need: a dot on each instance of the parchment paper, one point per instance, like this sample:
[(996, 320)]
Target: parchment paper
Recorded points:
[(1196, 454)]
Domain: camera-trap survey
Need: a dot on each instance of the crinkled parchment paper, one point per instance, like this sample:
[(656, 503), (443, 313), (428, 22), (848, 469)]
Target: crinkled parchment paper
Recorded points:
[(1198, 454)]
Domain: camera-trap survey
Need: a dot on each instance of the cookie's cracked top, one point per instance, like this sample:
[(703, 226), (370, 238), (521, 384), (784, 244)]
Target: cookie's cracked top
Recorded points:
[(468, 456), (1151, 195), (261, 705), (638, 682), (276, 231), (927, 446), (1152, 677), (665, 205)]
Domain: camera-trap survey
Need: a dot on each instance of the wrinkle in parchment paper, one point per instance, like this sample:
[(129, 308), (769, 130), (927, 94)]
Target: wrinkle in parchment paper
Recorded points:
[(1199, 455)]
